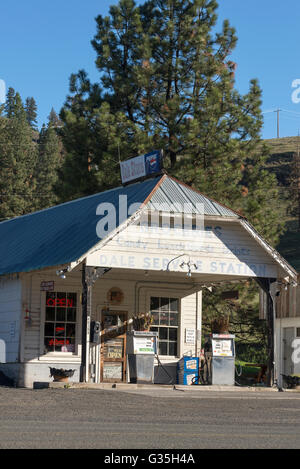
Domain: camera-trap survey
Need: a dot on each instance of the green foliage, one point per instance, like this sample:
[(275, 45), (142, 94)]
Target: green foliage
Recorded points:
[(18, 155), (28, 161), (46, 170), (167, 81), (31, 112)]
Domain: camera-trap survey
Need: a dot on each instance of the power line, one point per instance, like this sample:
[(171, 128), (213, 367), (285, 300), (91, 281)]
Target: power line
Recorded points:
[(278, 111)]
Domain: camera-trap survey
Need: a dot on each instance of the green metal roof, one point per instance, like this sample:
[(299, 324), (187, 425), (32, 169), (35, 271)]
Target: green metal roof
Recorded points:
[(60, 234), (63, 233)]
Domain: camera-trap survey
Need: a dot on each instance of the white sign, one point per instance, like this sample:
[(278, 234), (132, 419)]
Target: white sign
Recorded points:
[(133, 169), (144, 345), (222, 348), (217, 250), (190, 336)]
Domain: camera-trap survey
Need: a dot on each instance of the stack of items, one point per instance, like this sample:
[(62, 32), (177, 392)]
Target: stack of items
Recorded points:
[(188, 370)]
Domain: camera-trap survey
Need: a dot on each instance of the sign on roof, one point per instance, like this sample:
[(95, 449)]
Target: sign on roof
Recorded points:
[(141, 166)]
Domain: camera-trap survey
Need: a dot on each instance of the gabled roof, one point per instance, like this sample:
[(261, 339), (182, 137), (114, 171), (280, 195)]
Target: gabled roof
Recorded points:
[(63, 233)]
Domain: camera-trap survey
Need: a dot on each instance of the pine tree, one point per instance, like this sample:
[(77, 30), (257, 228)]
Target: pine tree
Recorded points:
[(10, 102), (17, 162), (53, 119), (168, 78), (31, 112), (46, 170)]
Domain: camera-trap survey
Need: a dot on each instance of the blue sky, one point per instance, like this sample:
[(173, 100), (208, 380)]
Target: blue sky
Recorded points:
[(42, 43)]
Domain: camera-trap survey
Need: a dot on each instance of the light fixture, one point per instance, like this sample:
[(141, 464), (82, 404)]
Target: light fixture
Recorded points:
[(62, 272)]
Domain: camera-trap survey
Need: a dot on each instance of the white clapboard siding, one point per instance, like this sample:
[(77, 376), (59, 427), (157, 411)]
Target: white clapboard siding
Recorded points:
[(225, 249), (32, 300), (137, 291), (10, 314)]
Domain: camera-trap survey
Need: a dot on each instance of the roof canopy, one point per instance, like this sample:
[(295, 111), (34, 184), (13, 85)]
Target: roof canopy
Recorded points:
[(64, 233)]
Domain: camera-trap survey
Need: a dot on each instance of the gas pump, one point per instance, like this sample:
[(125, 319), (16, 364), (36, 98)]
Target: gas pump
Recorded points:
[(141, 350), (219, 359)]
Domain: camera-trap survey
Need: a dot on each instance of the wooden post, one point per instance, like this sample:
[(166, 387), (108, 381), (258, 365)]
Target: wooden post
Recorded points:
[(86, 315), (265, 284)]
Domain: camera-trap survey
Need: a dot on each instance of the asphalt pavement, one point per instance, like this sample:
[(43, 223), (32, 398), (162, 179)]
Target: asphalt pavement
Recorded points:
[(147, 419)]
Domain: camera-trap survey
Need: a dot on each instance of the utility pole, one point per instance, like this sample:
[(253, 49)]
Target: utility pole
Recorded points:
[(278, 111)]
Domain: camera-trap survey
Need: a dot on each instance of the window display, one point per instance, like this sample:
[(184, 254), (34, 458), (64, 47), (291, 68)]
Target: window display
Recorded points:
[(60, 322)]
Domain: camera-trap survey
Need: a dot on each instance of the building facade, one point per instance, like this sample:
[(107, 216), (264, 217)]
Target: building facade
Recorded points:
[(149, 247)]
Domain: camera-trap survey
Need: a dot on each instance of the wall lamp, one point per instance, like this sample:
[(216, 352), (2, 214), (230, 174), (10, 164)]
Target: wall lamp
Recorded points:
[(62, 273)]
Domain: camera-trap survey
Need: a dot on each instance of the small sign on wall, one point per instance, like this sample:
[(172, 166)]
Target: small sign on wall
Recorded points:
[(190, 335), (47, 286)]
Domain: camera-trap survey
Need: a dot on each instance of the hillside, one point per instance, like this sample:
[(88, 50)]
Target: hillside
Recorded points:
[(280, 161)]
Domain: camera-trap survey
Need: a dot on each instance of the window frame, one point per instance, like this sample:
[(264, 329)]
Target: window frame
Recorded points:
[(169, 295), (56, 354)]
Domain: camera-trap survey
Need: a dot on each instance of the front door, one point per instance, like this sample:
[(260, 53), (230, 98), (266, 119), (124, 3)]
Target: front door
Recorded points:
[(113, 346)]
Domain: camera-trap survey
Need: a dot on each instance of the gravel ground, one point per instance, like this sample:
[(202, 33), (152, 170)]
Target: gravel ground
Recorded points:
[(159, 419)]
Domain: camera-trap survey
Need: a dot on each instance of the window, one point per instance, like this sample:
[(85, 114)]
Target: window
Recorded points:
[(165, 322), (60, 322)]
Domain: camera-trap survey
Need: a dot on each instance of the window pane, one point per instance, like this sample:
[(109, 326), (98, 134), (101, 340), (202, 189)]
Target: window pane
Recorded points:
[(50, 299), (71, 300), (173, 334), (164, 304), (60, 330), (155, 318), (70, 330), (48, 345), (164, 319), (172, 348), (163, 333), (71, 314), (173, 319), (173, 304), (49, 329), (50, 314), (163, 348), (154, 304), (59, 343), (60, 314), (69, 346)]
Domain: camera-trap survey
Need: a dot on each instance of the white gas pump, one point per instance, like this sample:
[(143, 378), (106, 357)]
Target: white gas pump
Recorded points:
[(141, 349), (219, 353)]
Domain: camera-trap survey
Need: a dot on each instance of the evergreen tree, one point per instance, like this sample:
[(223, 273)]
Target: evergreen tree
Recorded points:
[(31, 112), (168, 79), (53, 119), (17, 162), (9, 103), (46, 170)]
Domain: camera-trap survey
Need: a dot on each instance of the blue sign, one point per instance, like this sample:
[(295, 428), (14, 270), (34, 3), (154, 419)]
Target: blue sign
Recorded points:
[(153, 162)]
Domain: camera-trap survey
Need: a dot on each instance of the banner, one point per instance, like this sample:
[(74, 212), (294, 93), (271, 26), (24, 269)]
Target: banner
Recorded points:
[(141, 166)]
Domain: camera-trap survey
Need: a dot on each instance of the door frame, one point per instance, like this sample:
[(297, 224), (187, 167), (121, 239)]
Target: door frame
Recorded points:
[(112, 334)]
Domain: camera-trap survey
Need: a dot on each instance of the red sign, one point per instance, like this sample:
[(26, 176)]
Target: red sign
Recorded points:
[(59, 342), (60, 302)]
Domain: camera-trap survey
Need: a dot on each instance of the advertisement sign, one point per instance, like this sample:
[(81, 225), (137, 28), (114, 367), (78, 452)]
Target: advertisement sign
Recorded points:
[(144, 345), (222, 348), (141, 166), (190, 336)]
